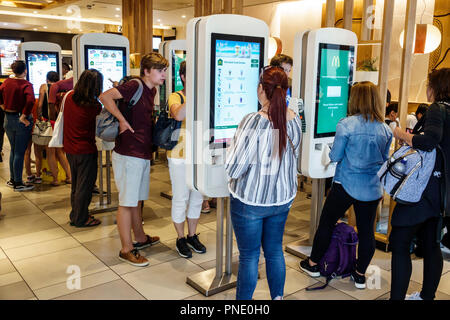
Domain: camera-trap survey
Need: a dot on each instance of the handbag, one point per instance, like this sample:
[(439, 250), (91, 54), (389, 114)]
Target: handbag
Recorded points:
[(58, 132), (166, 131), (107, 126), (42, 133)]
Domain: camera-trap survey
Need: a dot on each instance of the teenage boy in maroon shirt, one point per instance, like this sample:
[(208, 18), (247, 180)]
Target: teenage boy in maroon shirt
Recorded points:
[(132, 154)]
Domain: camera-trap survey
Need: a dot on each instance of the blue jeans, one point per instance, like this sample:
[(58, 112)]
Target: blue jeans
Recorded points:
[(253, 226), (18, 135)]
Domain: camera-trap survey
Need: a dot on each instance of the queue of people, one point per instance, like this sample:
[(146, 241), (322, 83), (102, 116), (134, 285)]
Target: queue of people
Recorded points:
[(261, 166)]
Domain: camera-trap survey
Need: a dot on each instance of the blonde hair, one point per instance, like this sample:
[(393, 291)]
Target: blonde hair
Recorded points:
[(153, 60), (365, 100)]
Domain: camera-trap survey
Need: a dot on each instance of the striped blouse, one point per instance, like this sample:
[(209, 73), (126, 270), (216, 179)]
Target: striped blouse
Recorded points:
[(256, 174)]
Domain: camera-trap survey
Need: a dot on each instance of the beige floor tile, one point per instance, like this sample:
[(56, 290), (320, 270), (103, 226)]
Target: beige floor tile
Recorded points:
[(41, 248), (10, 278), (444, 284), (2, 254), (87, 282), (166, 281), (295, 281), (417, 271), (116, 290), (16, 291), (32, 238), (24, 225), (51, 269), (164, 229), (382, 259), (208, 239), (6, 266), (347, 286), (19, 208), (294, 223), (329, 293), (295, 235), (417, 287), (95, 233)]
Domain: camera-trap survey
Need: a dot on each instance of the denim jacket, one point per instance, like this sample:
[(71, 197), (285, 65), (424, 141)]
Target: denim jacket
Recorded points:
[(360, 148)]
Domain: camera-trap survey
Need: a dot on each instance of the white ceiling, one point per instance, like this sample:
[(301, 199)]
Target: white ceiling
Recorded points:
[(165, 13)]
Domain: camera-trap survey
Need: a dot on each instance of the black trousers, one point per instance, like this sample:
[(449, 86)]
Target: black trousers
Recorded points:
[(84, 174), (400, 242), (337, 203)]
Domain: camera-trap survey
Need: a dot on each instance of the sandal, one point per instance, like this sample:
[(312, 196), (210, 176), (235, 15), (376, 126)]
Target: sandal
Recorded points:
[(38, 180), (30, 179), (91, 222)]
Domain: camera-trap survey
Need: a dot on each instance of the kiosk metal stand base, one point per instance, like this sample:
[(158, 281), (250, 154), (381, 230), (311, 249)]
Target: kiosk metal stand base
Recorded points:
[(100, 206), (215, 280), (303, 247)]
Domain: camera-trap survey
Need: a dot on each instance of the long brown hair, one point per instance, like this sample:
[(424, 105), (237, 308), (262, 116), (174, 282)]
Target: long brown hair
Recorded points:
[(275, 84), (88, 88), (365, 100)]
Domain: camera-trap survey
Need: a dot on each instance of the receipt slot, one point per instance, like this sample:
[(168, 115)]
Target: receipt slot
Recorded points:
[(40, 58), (225, 55), (110, 55), (324, 67)]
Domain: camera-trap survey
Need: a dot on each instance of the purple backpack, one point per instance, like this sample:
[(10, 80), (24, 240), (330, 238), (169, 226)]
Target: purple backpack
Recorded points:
[(340, 257)]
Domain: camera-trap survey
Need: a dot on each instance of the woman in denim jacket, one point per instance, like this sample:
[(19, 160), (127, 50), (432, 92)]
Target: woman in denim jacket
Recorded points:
[(360, 147)]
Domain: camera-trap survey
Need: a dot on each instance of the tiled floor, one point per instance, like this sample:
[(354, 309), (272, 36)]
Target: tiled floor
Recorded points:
[(41, 254)]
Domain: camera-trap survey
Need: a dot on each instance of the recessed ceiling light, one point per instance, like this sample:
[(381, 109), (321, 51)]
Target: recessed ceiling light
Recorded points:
[(159, 20), (117, 9), (35, 12), (183, 16), (117, 16), (5, 23), (68, 31), (35, 29), (45, 27)]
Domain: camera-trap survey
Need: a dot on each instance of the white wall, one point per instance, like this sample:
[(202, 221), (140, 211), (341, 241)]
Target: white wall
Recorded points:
[(285, 19)]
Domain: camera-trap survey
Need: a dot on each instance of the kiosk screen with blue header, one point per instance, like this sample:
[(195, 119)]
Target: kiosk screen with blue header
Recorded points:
[(39, 63)]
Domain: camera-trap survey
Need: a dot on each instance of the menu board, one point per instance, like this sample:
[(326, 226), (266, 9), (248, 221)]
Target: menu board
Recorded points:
[(109, 61), (39, 63), (9, 52), (235, 66), (335, 76), (178, 56)]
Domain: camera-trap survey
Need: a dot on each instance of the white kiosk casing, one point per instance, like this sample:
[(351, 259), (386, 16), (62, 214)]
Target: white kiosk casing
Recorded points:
[(205, 158), (113, 43), (324, 67), (111, 68), (33, 51)]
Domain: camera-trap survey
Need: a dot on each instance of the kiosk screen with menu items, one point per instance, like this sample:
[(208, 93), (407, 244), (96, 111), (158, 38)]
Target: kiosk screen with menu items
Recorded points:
[(9, 52), (39, 63), (335, 76), (178, 56), (236, 62), (109, 61)]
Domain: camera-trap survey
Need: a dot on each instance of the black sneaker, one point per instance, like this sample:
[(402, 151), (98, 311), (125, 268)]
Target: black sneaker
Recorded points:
[(360, 281), (311, 271), (195, 244), (10, 183), (23, 187), (183, 249)]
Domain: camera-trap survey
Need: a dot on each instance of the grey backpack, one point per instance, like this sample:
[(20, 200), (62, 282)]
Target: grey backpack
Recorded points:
[(107, 126), (406, 173)]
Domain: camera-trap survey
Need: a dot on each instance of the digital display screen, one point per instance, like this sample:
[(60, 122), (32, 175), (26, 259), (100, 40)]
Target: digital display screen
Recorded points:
[(236, 62), (334, 80), (156, 42), (9, 52), (109, 61), (39, 63), (178, 56)]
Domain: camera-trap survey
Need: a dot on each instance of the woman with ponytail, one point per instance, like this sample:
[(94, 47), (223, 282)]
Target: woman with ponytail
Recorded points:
[(262, 170)]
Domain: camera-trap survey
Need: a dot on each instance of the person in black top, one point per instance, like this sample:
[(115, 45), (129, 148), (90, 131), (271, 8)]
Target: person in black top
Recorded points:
[(424, 218)]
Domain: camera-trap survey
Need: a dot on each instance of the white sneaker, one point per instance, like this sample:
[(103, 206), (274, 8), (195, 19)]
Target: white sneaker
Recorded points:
[(413, 296)]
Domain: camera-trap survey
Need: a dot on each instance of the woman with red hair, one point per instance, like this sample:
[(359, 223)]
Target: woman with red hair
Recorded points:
[(262, 170)]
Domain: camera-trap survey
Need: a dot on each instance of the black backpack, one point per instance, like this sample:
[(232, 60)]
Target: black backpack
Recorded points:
[(166, 131)]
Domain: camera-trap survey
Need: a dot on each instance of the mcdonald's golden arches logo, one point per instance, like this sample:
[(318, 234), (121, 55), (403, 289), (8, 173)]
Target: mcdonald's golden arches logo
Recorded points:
[(336, 62)]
